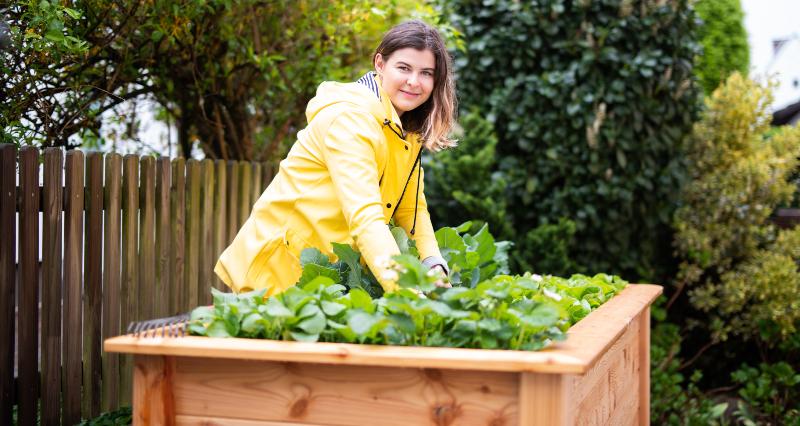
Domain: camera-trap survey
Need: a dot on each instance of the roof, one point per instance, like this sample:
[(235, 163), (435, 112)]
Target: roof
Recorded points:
[(787, 115)]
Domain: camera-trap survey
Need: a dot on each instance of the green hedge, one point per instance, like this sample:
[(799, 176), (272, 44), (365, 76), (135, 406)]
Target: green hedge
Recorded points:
[(724, 41), (591, 102)]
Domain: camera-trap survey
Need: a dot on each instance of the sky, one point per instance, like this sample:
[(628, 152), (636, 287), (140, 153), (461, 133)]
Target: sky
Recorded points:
[(766, 20)]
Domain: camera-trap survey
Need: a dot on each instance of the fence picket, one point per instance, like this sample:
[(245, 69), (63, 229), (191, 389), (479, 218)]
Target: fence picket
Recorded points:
[(255, 182), (220, 222), (92, 286), (138, 239), (52, 262), (129, 290), (205, 271), (111, 278), (8, 207), (28, 322), (177, 236), (233, 200), (245, 192), (73, 258), (162, 305), (192, 232), (147, 240)]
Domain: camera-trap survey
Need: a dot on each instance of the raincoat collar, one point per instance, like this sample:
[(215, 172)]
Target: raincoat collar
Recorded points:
[(372, 82)]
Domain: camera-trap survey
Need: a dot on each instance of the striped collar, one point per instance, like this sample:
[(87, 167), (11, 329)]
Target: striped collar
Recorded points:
[(368, 80)]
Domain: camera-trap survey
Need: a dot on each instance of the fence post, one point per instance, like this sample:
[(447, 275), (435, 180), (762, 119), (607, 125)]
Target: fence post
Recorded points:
[(52, 262), (73, 256), (111, 278)]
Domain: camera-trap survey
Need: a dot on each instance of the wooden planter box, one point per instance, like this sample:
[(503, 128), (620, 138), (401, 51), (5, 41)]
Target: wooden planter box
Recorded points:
[(599, 375)]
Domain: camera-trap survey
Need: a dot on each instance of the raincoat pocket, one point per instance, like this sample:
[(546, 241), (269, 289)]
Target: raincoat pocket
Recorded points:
[(277, 265)]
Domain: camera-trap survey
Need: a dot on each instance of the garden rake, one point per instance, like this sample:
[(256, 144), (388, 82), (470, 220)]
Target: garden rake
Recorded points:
[(174, 326)]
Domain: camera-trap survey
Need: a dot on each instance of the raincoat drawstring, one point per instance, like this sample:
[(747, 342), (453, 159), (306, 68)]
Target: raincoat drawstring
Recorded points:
[(387, 122)]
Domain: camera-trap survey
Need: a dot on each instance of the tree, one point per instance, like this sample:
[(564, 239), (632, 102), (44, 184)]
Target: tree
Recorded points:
[(235, 76), (724, 40)]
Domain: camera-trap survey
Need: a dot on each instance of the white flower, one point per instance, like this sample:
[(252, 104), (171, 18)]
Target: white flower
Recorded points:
[(389, 275), (383, 262), (552, 295), (536, 277)]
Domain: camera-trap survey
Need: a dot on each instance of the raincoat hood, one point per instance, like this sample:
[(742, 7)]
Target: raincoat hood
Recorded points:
[(357, 96)]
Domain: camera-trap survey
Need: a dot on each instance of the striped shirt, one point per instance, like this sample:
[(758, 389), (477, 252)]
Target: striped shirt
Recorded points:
[(369, 81)]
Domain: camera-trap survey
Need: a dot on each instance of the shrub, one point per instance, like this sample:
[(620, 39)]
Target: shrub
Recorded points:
[(724, 41), (590, 102), (743, 273)]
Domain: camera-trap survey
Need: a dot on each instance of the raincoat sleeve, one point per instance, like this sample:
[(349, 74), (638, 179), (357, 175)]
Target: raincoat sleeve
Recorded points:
[(423, 232), (350, 148)]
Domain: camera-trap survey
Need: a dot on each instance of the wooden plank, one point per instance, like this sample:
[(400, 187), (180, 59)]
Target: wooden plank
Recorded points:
[(162, 292), (245, 192), (266, 175), (152, 400), (233, 200), (206, 252), (178, 237), (92, 287), (8, 208), (52, 262), (602, 395), (129, 291), (147, 237), (567, 357), (610, 362), (193, 183), (342, 395), (543, 400), (206, 421), (644, 367), (256, 189), (220, 218), (28, 326), (111, 278), (73, 260)]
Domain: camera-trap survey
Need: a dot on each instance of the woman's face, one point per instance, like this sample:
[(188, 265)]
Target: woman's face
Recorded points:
[(407, 77)]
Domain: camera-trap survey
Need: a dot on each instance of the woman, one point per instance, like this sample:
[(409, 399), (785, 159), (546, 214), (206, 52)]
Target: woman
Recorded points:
[(354, 168)]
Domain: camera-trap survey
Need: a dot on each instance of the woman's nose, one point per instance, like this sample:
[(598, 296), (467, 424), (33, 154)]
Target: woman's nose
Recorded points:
[(412, 80)]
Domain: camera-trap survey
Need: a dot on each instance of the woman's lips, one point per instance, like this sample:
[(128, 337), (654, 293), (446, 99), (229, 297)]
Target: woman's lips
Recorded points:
[(409, 94)]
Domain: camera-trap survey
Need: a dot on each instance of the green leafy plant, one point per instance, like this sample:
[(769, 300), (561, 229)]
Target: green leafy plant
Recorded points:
[(590, 103), (484, 309), (724, 41), (770, 394), (120, 417)]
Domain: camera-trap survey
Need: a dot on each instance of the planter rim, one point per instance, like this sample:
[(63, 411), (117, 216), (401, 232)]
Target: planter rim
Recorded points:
[(586, 341)]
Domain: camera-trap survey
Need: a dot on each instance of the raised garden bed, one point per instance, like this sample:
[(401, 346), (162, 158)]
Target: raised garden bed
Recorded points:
[(599, 375)]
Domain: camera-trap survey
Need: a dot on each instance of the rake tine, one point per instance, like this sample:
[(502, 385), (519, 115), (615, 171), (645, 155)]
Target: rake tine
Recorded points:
[(141, 328), (130, 328)]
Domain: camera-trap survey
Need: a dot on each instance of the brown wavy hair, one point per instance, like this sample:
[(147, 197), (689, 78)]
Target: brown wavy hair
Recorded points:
[(434, 119)]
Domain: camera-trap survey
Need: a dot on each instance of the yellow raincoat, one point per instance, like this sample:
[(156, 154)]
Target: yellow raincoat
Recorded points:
[(339, 183)]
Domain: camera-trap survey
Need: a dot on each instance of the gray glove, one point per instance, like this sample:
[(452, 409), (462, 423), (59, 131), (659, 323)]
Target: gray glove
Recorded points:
[(432, 261)]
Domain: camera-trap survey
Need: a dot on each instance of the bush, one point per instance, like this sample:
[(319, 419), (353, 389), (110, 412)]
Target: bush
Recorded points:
[(724, 41), (590, 102), (743, 273)]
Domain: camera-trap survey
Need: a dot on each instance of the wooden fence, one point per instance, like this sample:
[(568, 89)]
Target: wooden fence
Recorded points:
[(122, 238)]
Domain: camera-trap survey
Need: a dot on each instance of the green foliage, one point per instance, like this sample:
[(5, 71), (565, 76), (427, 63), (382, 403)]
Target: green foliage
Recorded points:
[(465, 182), (590, 103), (724, 41), (234, 76), (490, 312), (770, 393), (676, 400), (120, 417), (742, 272)]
